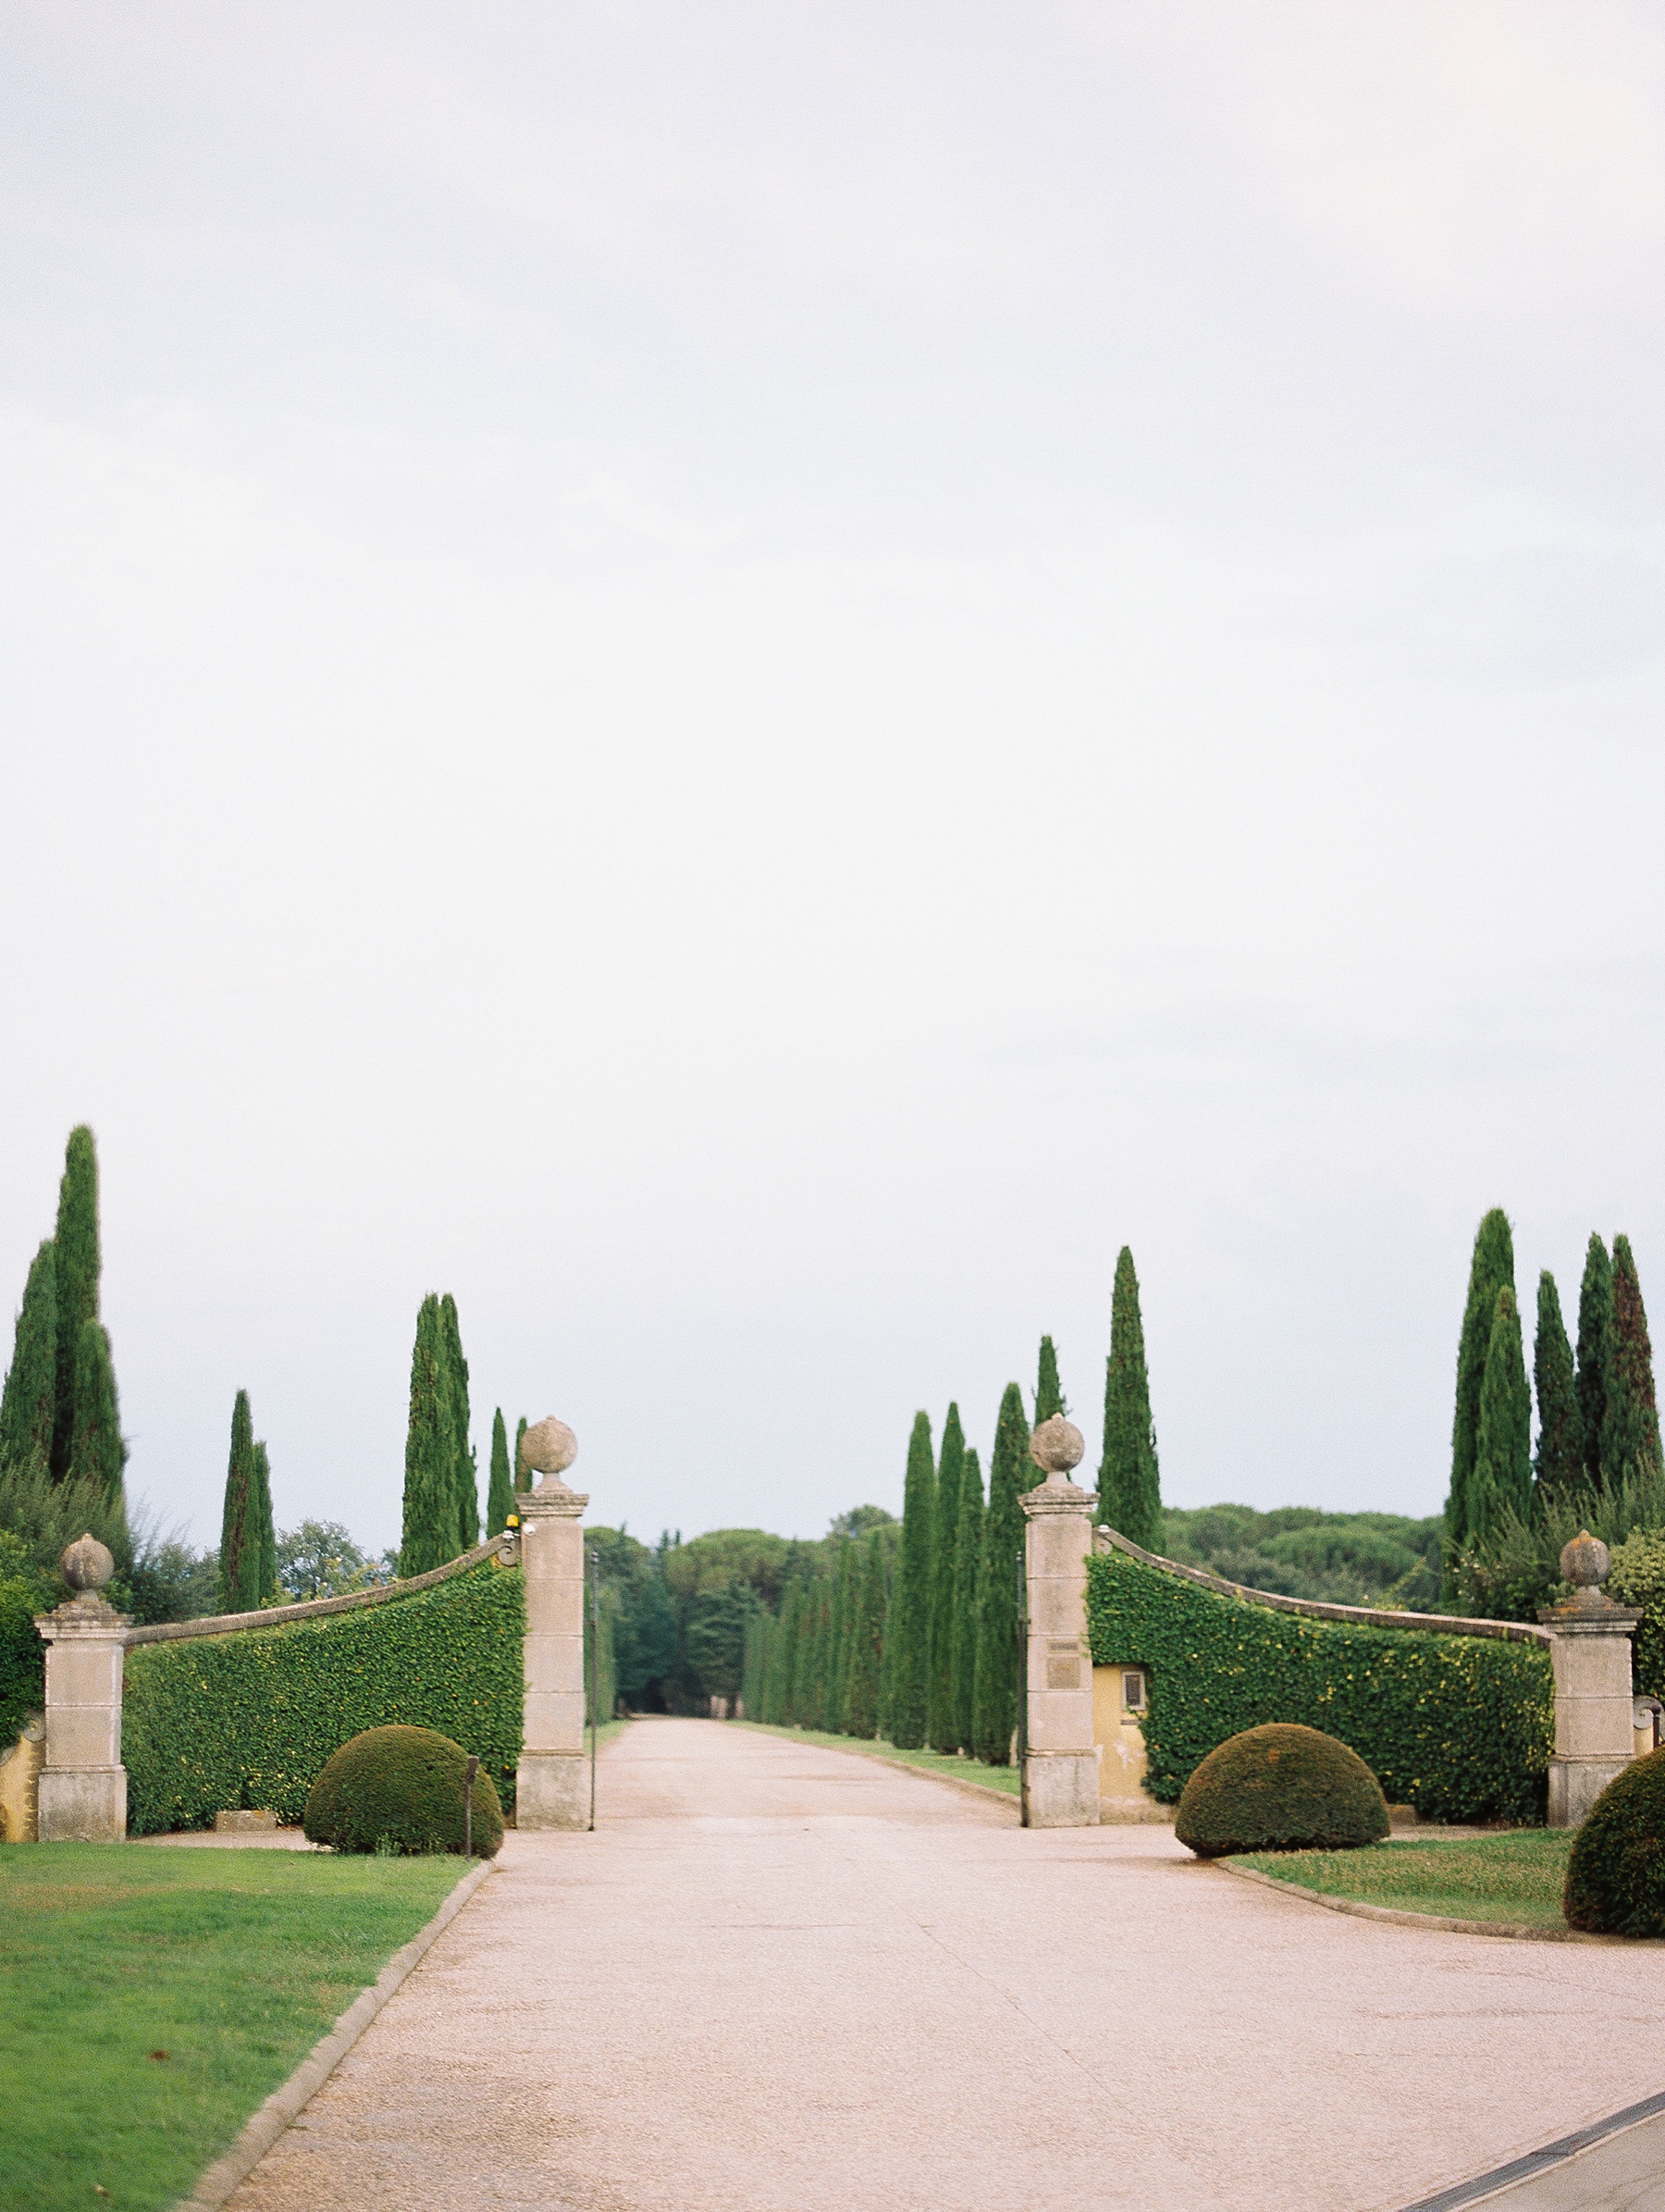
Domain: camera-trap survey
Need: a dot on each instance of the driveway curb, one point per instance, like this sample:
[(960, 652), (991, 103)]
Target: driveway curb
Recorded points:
[(321, 2061), (1392, 1913)]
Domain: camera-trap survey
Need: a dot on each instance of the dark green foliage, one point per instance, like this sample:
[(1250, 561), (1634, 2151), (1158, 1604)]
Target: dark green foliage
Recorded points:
[(601, 1651), (944, 1565), (262, 1517), (522, 1477), (28, 1403), (1518, 1567), (250, 1718), (1616, 1872), (967, 1577), (97, 1452), (1049, 1396), (47, 1515), (1460, 1726), (1595, 1353), (431, 1513), (170, 1581), (1299, 1552), (794, 1636), (240, 1547), (867, 1642), (910, 1692), (838, 1655), (643, 1631), (320, 1560), (500, 1492), (1280, 1788), (24, 1591), (1637, 1578), (999, 1660), (1630, 1428), (1129, 1486), (1491, 1269), (464, 1471), (402, 1789), (1559, 1460), (1502, 1481), (78, 1267), (715, 1638)]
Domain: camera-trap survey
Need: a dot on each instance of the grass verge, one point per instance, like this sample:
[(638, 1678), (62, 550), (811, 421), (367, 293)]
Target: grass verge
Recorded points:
[(151, 2000), (929, 1763), (1515, 1878)]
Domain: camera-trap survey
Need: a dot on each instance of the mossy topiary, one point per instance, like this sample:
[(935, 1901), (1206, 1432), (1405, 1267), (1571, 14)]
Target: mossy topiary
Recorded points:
[(1280, 1788), (1615, 1869), (400, 1789)]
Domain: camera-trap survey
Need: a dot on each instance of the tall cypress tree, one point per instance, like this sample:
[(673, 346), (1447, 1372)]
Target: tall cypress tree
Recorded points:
[(464, 1468), (27, 1407), (1594, 1353), (1502, 1475), (792, 1666), (430, 1497), (999, 1660), (78, 1267), (240, 1524), (267, 1577), (1560, 1461), (1631, 1429), (97, 1452), (1049, 1397), (944, 1562), (1129, 1484), (500, 1493), (522, 1479), (887, 1655), (968, 1575), (1491, 1269), (911, 1695), (844, 1622)]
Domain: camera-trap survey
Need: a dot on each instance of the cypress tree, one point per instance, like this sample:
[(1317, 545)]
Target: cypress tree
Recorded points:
[(967, 1572), (999, 1662), (28, 1405), (239, 1525), (464, 1468), (522, 1479), (1491, 1269), (78, 1267), (1595, 1353), (792, 1662), (1502, 1476), (97, 1452), (820, 1689), (774, 1681), (1630, 1428), (268, 1535), (911, 1695), (430, 1498), (500, 1494), (844, 1621), (1560, 1461), (944, 1565), (1129, 1484), (1049, 1398), (887, 1656), (867, 1642)]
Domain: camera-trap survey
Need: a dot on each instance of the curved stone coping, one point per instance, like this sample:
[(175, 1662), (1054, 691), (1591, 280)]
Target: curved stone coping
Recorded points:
[(1360, 1909), (1359, 1616), (312, 1608)]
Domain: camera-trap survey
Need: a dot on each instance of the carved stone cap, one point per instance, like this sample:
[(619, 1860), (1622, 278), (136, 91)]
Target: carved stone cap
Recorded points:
[(1586, 1560), (1056, 1446), (548, 1449), (87, 1564), (1585, 1563)]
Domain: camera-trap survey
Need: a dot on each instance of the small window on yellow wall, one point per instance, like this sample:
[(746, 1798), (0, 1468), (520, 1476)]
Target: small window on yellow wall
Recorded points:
[(1133, 1690)]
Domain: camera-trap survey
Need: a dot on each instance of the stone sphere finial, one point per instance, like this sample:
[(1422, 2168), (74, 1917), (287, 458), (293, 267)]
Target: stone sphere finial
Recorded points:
[(1586, 1561), (87, 1564), (1058, 1445), (548, 1447)]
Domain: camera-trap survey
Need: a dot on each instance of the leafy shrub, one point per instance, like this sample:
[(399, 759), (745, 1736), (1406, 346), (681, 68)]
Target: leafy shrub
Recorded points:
[(1460, 1726), (1616, 1870), (250, 1718), (23, 1593), (1280, 1788), (1638, 1579), (1516, 1567), (400, 1789)]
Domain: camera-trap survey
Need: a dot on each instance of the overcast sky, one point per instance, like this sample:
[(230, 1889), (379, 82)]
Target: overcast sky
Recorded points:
[(746, 681)]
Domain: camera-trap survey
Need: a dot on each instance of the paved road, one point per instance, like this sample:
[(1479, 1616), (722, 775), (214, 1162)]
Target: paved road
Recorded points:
[(779, 1979)]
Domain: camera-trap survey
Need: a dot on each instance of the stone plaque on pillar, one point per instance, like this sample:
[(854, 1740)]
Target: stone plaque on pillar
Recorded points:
[(1061, 1767), (551, 1787), (1590, 1651), (83, 1783)]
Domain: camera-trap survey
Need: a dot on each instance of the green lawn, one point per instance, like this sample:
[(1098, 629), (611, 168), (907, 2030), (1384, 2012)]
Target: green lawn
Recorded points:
[(932, 1762), (1515, 1877), (152, 1997)]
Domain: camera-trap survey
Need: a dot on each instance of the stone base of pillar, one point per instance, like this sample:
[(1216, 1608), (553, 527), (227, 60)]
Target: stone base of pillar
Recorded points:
[(1574, 1786), (1063, 1789), (82, 1805), (553, 1790)]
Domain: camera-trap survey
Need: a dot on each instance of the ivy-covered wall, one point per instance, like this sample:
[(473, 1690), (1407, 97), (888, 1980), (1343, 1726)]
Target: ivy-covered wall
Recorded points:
[(250, 1718), (1460, 1726)]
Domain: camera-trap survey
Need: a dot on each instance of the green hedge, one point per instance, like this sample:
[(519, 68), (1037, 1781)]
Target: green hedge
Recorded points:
[(249, 1719), (1460, 1726), (23, 1593), (1638, 1579)]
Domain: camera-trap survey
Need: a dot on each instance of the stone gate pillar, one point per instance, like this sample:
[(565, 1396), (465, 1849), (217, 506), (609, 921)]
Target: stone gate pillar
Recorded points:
[(1590, 1651), (83, 1783), (1061, 1767), (551, 1787)]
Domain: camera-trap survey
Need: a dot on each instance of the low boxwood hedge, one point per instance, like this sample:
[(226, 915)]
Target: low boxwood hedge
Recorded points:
[(1460, 1726), (250, 1718), (402, 1790)]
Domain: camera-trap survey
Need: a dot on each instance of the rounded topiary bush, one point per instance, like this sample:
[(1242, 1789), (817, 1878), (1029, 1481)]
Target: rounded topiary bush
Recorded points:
[(400, 1789), (1616, 1870), (1280, 1788)]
